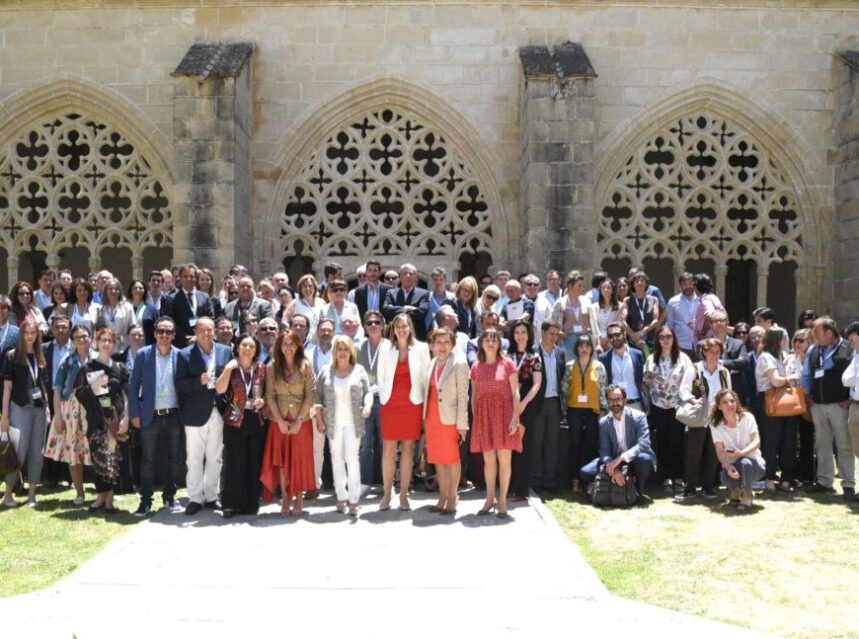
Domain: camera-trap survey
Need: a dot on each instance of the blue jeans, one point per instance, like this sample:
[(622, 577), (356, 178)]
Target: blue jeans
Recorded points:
[(750, 469), (640, 468), (150, 435), (369, 453)]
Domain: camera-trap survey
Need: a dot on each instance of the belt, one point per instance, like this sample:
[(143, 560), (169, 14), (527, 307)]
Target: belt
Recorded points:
[(160, 412)]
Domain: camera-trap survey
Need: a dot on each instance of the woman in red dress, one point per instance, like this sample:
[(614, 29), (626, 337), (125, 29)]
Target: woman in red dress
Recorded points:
[(495, 431), (446, 417), (401, 375), (290, 390)]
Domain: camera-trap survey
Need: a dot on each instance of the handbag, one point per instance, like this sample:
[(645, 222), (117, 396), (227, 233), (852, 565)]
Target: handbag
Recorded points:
[(8, 457), (692, 414), (607, 493), (785, 401)]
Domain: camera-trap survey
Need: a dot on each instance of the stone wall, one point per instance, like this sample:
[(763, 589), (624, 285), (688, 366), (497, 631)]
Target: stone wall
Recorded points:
[(308, 54), (845, 260)]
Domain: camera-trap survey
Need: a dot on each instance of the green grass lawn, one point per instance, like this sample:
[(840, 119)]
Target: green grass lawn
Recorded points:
[(42, 545), (789, 567)]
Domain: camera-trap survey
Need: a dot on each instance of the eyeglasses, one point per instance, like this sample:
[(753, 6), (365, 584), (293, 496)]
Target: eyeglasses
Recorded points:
[(373, 323), (164, 331), (720, 321), (105, 340), (81, 338), (615, 335)]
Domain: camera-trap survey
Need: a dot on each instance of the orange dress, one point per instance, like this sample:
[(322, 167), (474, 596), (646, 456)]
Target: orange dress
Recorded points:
[(401, 420), (442, 439), (293, 454)]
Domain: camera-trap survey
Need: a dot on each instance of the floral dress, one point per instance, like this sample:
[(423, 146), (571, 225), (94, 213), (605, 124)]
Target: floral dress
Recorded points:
[(71, 446)]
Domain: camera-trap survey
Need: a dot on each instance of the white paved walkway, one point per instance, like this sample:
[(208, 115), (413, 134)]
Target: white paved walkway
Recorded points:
[(395, 574)]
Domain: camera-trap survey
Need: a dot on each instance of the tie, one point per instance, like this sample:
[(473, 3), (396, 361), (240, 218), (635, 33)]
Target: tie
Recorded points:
[(191, 300)]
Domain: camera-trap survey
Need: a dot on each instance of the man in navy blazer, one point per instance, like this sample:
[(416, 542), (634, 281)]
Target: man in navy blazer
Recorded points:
[(409, 298), (186, 305), (624, 441), (153, 404), (624, 366), (371, 296), (198, 366), (8, 332), (544, 440)]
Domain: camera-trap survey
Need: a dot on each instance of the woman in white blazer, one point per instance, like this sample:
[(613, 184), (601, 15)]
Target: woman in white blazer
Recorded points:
[(401, 376), (446, 416)]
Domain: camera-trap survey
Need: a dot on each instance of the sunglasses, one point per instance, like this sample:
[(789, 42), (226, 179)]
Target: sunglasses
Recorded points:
[(390, 278), (164, 331), (268, 329), (372, 323), (740, 333), (338, 290), (615, 335), (25, 293), (492, 298), (799, 340), (665, 338)]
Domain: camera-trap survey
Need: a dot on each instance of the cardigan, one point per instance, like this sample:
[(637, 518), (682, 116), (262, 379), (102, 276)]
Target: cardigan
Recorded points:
[(359, 392)]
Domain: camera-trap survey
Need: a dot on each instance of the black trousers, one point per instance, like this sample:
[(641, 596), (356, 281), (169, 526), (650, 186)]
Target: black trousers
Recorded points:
[(778, 443), (805, 464), (669, 441), (545, 444), (700, 461), (583, 424), (520, 481), (243, 449)]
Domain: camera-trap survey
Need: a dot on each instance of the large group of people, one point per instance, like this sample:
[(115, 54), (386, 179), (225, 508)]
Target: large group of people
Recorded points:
[(247, 390)]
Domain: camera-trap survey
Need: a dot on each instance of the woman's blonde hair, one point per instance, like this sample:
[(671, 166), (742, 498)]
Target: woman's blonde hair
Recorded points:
[(348, 343)]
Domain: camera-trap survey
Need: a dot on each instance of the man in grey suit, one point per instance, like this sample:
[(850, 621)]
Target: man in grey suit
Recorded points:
[(624, 441), (247, 301)]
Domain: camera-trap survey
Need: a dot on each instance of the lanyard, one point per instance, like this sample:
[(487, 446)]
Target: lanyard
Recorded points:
[(163, 369), (34, 369), (519, 359), (373, 356), (584, 372), (824, 357), (437, 373), (248, 383), (641, 306)]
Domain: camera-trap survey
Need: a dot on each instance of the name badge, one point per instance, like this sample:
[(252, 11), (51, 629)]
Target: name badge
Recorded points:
[(36, 394), (192, 322), (818, 373), (235, 326), (583, 399), (104, 402), (578, 329)]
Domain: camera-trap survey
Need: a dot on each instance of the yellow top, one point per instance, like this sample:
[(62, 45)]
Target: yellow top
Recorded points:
[(591, 388)]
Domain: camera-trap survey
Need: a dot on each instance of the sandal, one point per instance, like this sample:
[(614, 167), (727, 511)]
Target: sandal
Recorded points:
[(353, 510), (385, 504), (284, 507), (341, 506), (297, 509)]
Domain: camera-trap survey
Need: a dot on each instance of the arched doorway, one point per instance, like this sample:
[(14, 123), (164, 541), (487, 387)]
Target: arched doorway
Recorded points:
[(702, 194), (76, 193)]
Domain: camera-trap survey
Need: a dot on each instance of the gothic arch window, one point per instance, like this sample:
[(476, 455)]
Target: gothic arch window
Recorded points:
[(386, 185), (701, 191), (72, 190)]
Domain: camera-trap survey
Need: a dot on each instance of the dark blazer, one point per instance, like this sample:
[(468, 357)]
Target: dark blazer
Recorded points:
[(743, 380), (637, 369), (196, 400), (467, 325), (258, 306), (142, 384), (361, 298), (395, 300), (11, 340), (471, 350), (150, 314), (178, 307), (734, 349), (637, 436), (560, 365), (49, 349)]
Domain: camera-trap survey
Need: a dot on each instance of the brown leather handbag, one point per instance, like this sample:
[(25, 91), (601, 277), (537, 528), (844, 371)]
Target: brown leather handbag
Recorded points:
[(785, 401)]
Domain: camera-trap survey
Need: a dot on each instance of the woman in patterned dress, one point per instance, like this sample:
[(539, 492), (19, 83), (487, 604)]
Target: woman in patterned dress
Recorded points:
[(496, 431), (529, 369), (67, 441)]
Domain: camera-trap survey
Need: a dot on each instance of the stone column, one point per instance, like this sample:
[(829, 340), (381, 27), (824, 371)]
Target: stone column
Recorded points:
[(211, 130), (557, 180), (844, 258)]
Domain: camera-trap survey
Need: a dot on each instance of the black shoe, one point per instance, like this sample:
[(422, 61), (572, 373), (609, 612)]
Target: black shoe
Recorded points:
[(193, 508), (172, 503), (228, 513), (643, 500), (686, 495), (710, 494), (143, 510), (850, 495), (212, 504), (819, 488)]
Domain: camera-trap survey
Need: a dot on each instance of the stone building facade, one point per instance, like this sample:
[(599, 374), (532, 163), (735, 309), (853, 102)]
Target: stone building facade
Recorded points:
[(473, 135)]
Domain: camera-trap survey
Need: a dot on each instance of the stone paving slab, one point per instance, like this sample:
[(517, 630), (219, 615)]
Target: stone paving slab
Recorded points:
[(393, 574)]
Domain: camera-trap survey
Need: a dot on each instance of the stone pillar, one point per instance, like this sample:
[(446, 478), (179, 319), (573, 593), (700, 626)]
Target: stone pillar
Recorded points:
[(844, 258), (212, 129), (557, 179), (12, 262)]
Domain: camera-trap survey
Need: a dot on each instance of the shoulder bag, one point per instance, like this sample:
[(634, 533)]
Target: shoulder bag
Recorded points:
[(785, 401), (8, 457), (690, 413)]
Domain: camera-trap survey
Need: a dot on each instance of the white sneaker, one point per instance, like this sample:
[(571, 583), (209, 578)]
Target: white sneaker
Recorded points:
[(79, 501)]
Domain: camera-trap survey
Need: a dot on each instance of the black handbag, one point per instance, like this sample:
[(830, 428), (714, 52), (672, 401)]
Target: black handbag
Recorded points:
[(8, 457), (607, 493)]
